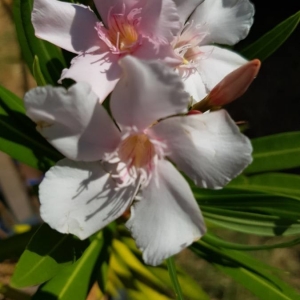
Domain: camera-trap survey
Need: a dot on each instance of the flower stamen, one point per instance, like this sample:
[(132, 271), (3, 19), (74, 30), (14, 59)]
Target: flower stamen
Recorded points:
[(122, 35)]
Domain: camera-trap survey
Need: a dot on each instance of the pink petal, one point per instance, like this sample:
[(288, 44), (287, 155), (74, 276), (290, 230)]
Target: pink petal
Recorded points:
[(69, 26), (209, 147), (148, 50), (100, 70), (216, 64), (147, 91), (166, 219), (73, 121), (81, 198), (227, 21), (159, 20), (104, 6)]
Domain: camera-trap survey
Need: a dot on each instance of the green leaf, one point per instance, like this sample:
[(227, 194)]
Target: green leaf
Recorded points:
[(275, 152), (251, 222), (253, 274), (47, 254), (272, 40), (278, 184), (161, 280), (18, 136), (249, 211), (174, 279), (50, 56), (37, 73), (13, 247), (239, 197), (216, 241), (102, 277), (74, 281)]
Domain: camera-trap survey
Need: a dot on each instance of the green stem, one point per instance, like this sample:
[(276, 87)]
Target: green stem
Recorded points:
[(174, 279)]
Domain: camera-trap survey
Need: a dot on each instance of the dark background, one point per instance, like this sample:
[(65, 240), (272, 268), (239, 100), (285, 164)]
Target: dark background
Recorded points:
[(272, 103)]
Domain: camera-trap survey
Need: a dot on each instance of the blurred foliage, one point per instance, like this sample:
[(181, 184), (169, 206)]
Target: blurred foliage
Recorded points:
[(258, 202)]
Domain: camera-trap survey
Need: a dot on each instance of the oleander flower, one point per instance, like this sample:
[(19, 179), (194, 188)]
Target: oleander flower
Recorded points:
[(204, 23), (142, 28), (112, 165)]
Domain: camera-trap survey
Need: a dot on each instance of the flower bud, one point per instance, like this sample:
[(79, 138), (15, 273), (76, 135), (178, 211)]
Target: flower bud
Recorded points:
[(231, 87)]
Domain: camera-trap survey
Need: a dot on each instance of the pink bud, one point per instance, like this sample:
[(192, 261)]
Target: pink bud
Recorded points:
[(234, 84), (194, 112)]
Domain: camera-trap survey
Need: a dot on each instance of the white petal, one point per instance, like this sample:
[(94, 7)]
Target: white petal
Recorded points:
[(185, 8), (209, 147), (194, 86), (81, 198), (100, 70), (167, 218), (146, 92), (226, 21), (73, 121), (69, 26), (216, 64)]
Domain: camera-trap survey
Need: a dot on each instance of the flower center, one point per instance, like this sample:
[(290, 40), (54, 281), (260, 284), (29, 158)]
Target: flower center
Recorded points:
[(136, 156), (186, 45), (137, 150), (122, 35)]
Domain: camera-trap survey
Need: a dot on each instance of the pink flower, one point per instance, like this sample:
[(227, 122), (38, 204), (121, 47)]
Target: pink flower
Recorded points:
[(143, 28), (203, 24), (109, 167)]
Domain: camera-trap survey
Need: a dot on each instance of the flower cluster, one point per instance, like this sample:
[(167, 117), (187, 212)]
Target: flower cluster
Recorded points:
[(153, 57)]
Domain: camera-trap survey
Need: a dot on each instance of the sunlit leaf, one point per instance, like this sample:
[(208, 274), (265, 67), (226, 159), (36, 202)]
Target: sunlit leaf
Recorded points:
[(50, 56), (48, 253), (272, 40), (275, 152), (37, 73), (74, 281), (190, 288), (102, 278), (253, 274), (18, 136)]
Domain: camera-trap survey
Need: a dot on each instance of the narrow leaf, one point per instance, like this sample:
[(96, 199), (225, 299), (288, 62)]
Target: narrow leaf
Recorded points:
[(251, 222), (37, 73), (218, 242), (18, 136), (50, 56), (174, 279), (278, 184), (272, 40), (275, 152), (253, 274)]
